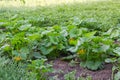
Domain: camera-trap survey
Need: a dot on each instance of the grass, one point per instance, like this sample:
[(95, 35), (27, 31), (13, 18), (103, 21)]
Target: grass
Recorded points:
[(107, 13), (11, 71)]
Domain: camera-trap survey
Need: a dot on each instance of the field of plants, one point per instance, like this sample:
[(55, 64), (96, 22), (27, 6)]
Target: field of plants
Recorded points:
[(68, 40)]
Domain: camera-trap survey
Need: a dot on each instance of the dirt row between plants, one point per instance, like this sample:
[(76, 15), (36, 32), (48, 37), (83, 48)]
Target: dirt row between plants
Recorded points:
[(62, 67)]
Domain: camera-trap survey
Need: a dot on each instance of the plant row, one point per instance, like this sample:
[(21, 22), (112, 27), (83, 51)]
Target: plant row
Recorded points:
[(21, 41)]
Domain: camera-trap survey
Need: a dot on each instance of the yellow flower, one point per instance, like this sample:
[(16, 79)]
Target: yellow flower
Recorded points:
[(72, 41), (81, 51), (17, 58)]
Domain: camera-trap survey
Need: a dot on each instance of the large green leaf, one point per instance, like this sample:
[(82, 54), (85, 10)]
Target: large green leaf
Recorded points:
[(110, 60), (115, 33), (25, 27), (90, 34), (24, 50), (73, 49), (104, 48), (117, 50), (34, 36), (93, 65), (45, 50), (15, 53), (5, 47), (2, 37), (54, 39), (117, 76), (37, 55)]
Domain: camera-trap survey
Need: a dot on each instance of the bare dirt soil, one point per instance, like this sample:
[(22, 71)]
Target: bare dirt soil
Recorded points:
[(63, 67)]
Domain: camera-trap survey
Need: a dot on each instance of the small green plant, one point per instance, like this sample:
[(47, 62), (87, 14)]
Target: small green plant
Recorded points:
[(71, 76), (40, 68), (115, 60), (116, 67), (92, 49)]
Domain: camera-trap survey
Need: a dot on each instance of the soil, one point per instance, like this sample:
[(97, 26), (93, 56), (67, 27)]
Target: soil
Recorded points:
[(63, 67)]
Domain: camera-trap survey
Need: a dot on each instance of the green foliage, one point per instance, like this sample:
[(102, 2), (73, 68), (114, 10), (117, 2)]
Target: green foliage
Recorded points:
[(117, 76), (113, 32), (12, 71), (25, 42), (39, 68), (115, 60), (71, 76), (116, 71), (36, 70), (73, 32), (94, 51), (117, 51)]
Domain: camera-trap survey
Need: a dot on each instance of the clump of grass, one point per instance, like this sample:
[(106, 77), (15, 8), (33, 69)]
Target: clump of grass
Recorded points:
[(12, 71)]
